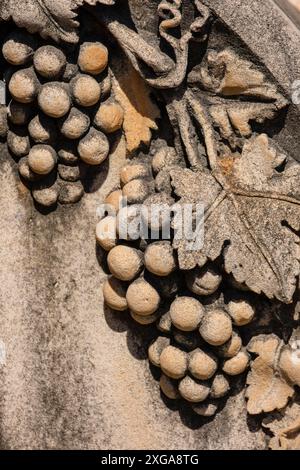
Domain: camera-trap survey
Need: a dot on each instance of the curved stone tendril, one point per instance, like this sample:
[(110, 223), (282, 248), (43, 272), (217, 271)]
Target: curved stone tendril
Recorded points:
[(168, 74)]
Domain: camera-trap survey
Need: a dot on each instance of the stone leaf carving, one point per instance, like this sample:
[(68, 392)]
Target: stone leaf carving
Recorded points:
[(252, 212), (50, 18), (274, 374), (227, 76), (140, 112), (285, 427), (226, 95)]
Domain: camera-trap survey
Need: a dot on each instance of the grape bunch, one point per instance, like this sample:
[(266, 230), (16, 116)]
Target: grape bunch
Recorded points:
[(199, 348), (60, 115)]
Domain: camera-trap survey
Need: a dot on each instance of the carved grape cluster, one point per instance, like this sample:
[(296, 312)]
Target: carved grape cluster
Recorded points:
[(199, 348), (60, 115)]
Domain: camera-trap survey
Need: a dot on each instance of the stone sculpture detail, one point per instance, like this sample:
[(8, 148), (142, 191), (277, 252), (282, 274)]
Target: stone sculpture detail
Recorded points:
[(213, 145), (285, 427), (274, 374), (61, 114), (51, 18)]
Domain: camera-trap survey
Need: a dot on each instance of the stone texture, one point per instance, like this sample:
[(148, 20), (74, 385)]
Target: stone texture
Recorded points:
[(259, 24), (292, 9), (75, 374), (283, 35)]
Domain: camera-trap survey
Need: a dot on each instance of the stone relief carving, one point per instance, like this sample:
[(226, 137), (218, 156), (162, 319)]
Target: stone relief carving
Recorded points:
[(274, 374), (285, 428), (223, 311), (50, 18)]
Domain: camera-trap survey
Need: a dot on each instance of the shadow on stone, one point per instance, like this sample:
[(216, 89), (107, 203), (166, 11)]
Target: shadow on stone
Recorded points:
[(138, 337)]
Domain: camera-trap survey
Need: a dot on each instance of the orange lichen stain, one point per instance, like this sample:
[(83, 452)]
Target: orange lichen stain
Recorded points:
[(140, 112), (226, 165)]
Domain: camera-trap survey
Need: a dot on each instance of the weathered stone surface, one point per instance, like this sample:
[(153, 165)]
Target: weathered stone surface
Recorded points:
[(248, 21), (223, 97), (282, 58), (285, 428), (75, 375)]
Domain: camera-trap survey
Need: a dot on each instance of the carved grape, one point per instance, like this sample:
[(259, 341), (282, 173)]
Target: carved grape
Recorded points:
[(198, 350), (55, 95)]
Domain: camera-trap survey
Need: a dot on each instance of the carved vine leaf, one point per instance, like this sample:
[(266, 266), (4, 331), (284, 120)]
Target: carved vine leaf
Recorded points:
[(226, 77), (50, 18), (274, 374), (252, 212), (226, 74), (285, 427), (140, 112)]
